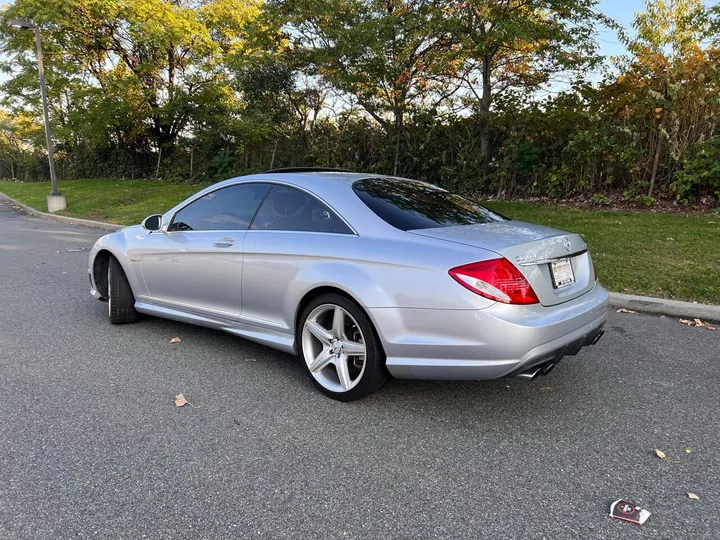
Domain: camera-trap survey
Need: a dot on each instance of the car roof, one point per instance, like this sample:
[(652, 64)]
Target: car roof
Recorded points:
[(305, 177)]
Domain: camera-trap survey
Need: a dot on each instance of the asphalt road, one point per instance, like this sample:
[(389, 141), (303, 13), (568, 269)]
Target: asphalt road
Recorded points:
[(92, 445)]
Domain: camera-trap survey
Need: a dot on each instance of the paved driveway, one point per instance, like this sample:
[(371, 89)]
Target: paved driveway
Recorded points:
[(92, 445)]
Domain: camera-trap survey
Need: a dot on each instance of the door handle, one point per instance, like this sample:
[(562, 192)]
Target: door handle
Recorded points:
[(224, 242)]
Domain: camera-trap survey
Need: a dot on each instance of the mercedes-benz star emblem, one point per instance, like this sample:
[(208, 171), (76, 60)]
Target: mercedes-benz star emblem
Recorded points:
[(566, 243)]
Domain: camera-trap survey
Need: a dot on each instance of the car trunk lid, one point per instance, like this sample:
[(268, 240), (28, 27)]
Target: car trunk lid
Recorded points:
[(532, 249)]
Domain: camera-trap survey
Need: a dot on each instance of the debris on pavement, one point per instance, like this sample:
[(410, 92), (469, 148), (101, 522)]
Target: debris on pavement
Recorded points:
[(175, 340), (687, 450), (660, 454), (627, 511), (623, 310), (180, 401), (697, 323), (693, 497), (251, 360)]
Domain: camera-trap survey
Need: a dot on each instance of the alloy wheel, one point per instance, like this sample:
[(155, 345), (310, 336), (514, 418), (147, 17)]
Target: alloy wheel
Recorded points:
[(334, 348)]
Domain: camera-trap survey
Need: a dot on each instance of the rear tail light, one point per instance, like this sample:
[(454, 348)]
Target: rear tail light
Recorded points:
[(595, 271), (496, 279)]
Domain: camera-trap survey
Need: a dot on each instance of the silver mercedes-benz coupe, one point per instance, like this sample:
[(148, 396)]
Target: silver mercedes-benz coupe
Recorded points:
[(362, 276)]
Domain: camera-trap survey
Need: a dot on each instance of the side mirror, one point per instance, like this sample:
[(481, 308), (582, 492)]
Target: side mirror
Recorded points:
[(152, 223)]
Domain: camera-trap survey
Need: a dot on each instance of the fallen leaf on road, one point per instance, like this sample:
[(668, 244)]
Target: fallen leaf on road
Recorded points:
[(687, 450), (250, 360), (180, 400), (660, 454), (685, 321), (175, 340), (712, 328), (698, 322), (693, 497), (623, 310)]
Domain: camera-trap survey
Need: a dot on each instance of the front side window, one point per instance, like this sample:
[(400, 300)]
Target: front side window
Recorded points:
[(226, 209), (409, 205), (290, 209)]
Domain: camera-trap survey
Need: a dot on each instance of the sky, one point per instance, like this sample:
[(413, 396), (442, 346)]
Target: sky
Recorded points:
[(622, 11)]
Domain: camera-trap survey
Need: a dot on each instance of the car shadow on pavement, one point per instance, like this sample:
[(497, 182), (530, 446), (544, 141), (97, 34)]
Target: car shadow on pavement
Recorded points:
[(236, 362)]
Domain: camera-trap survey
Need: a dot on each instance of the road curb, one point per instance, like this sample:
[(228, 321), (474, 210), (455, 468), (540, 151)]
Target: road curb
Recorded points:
[(669, 308), (62, 219), (645, 304)]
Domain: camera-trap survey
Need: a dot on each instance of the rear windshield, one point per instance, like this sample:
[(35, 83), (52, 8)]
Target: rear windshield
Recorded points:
[(409, 205)]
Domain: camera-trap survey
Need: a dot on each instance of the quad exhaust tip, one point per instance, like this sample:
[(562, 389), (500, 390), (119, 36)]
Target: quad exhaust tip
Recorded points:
[(534, 373), (530, 375)]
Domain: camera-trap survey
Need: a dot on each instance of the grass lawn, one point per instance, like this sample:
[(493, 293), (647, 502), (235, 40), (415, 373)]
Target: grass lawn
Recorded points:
[(657, 254), (126, 202)]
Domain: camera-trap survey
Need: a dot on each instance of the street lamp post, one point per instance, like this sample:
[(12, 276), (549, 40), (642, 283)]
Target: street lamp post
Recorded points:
[(55, 200)]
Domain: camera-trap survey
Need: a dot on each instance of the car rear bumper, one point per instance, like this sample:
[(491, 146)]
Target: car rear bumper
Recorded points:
[(499, 341)]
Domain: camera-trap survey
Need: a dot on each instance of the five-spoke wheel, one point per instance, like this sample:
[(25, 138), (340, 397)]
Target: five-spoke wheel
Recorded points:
[(341, 353)]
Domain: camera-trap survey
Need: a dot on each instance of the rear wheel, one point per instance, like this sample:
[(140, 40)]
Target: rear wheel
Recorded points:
[(121, 301), (340, 351)]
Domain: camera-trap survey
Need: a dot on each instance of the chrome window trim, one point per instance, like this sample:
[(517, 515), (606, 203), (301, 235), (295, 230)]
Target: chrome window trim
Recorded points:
[(164, 228)]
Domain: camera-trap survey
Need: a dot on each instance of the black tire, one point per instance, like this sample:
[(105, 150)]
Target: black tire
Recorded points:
[(121, 301), (374, 374)]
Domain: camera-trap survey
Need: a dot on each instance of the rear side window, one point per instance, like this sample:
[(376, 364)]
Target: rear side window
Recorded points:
[(409, 205), (290, 209), (226, 209)]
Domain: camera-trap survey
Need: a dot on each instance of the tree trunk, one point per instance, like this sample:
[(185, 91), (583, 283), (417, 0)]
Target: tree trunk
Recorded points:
[(272, 159), (157, 169), (485, 116), (398, 135), (658, 149)]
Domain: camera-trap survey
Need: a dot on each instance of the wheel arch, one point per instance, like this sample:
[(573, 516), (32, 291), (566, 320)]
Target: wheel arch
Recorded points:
[(100, 265), (320, 290), (100, 271)]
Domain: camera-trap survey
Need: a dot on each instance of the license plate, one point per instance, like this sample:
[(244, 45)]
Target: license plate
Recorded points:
[(562, 273)]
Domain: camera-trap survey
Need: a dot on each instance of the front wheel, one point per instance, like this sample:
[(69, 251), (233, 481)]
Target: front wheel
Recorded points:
[(340, 351), (121, 301)]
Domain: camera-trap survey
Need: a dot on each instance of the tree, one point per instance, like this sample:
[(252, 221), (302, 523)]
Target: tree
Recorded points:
[(520, 45), (141, 69), (667, 31), (389, 55)]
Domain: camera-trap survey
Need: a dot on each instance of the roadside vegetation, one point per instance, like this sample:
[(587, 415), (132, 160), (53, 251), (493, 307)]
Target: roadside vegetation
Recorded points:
[(504, 98), (671, 255)]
